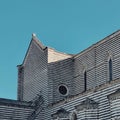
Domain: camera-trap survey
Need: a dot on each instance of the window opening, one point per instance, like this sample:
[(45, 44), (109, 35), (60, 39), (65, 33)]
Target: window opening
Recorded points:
[(85, 81), (110, 69), (63, 89)]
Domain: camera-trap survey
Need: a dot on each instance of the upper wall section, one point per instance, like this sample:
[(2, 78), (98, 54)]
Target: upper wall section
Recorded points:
[(95, 61), (54, 56), (106, 43)]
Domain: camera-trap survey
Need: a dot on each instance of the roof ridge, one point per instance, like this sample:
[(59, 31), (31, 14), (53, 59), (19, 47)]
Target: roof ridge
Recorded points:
[(39, 43), (98, 43)]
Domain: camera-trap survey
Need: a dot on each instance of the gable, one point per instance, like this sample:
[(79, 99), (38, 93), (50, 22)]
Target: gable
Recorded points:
[(34, 46)]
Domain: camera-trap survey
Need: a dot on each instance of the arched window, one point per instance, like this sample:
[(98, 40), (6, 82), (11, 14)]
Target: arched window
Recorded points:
[(110, 69), (85, 80)]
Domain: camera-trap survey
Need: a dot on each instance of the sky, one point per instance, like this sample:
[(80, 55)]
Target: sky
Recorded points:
[(69, 26)]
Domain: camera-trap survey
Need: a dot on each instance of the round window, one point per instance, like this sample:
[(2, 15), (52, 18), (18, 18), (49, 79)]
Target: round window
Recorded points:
[(63, 89)]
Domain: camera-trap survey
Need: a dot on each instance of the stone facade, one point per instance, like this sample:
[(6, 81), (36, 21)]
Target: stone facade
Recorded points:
[(59, 86)]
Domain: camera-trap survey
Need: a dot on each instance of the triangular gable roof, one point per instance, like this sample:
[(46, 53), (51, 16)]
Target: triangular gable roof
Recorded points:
[(37, 42)]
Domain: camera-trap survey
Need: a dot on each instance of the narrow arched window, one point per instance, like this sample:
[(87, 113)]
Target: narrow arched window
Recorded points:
[(110, 70), (85, 81)]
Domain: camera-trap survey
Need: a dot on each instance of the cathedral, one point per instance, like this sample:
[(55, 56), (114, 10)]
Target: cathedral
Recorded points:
[(58, 86)]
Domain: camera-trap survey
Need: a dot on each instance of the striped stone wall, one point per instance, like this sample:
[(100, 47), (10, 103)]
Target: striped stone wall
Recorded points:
[(95, 61), (14, 110), (60, 73), (20, 83), (35, 73), (84, 62), (99, 95), (114, 101)]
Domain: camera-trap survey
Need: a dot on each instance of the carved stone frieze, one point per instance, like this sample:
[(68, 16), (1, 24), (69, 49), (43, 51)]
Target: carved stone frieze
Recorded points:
[(115, 95), (87, 104), (61, 113)]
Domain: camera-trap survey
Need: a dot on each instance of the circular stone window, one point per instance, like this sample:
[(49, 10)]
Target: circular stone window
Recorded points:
[(63, 89)]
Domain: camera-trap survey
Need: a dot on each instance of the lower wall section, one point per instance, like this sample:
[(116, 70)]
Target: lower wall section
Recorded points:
[(14, 113), (94, 104), (88, 114), (101, 103)]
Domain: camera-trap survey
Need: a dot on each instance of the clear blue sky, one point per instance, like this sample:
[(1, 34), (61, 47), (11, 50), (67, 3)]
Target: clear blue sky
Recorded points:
[(67, 25)]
